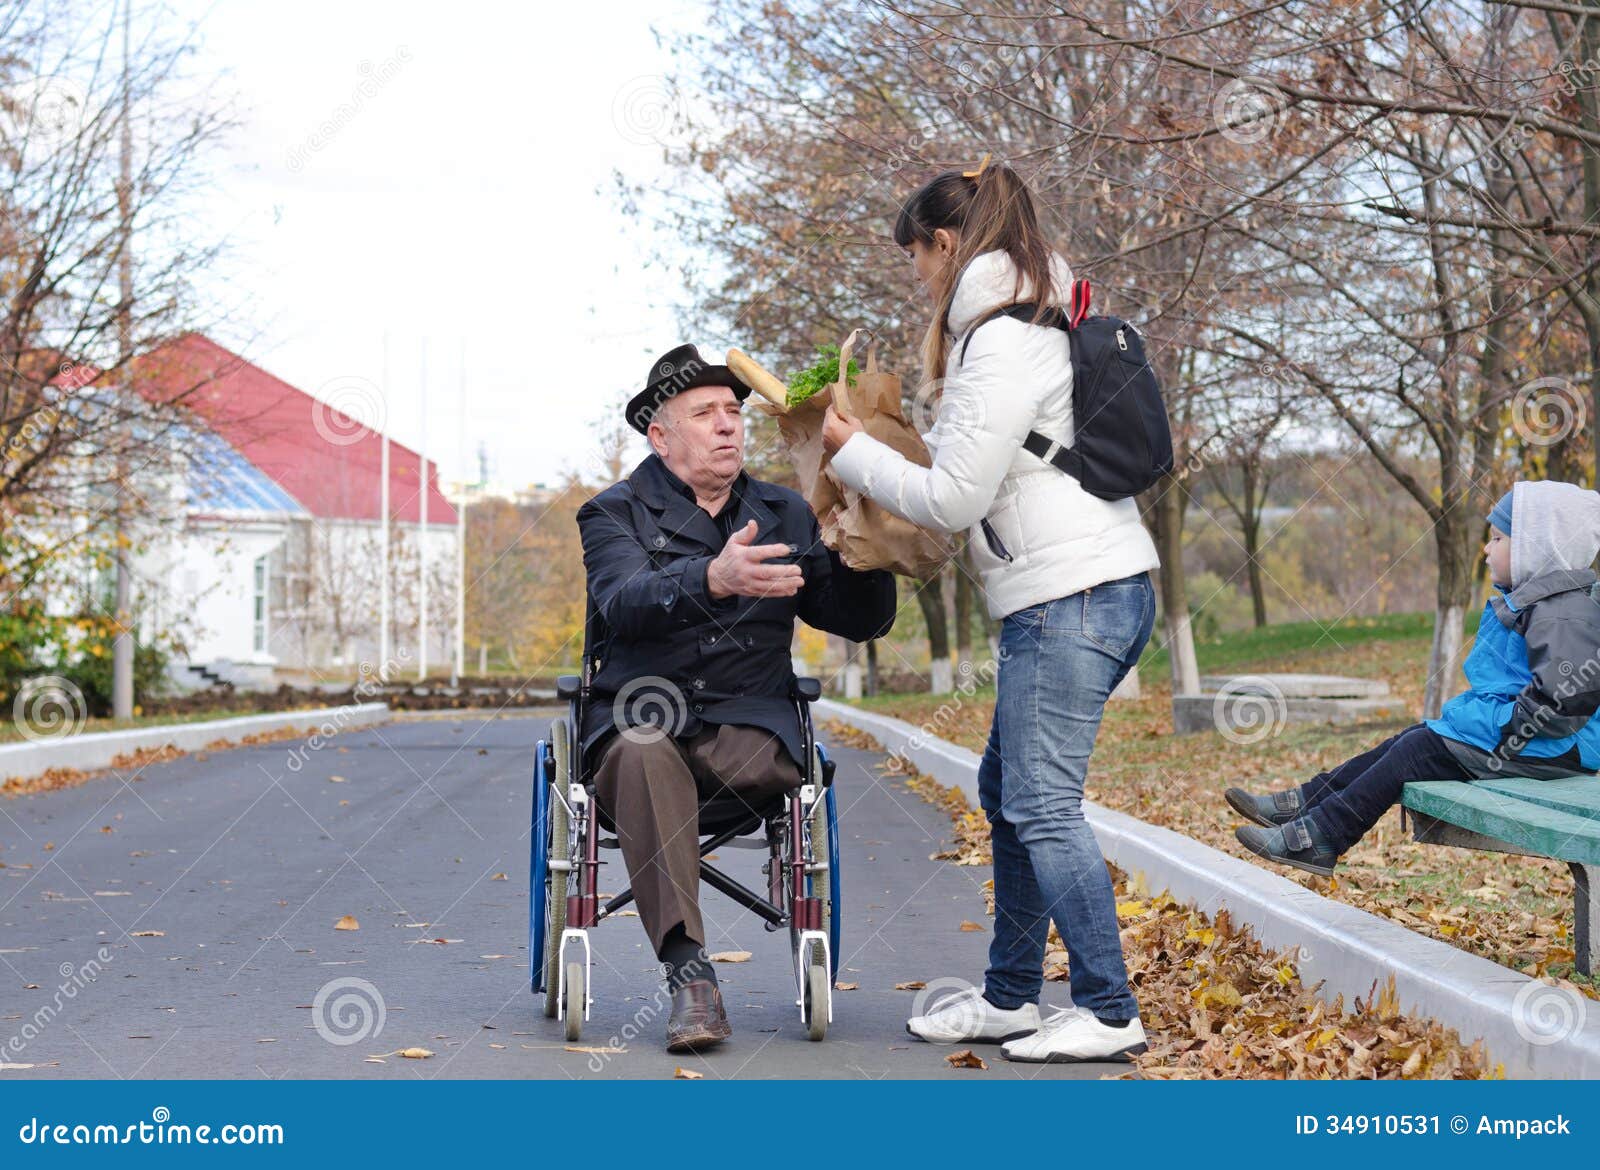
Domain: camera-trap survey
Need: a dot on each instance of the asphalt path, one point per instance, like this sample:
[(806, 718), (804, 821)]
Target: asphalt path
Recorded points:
[(180, 921)]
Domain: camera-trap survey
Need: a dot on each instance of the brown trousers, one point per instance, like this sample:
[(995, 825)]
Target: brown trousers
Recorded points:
[(652, 790)]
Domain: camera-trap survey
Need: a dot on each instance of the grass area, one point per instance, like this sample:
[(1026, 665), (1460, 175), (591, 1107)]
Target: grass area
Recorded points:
[(1514, 910), (1275, 643), (10, 733)]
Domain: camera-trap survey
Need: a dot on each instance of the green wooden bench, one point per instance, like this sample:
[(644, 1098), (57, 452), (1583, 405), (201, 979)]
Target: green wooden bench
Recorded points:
[(1536, 818)]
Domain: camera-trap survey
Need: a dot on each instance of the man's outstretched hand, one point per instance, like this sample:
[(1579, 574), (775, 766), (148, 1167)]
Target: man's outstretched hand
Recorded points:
[(741, 568)]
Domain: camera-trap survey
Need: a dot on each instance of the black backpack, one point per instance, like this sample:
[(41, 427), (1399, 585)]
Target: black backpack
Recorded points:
[(1121, 442)]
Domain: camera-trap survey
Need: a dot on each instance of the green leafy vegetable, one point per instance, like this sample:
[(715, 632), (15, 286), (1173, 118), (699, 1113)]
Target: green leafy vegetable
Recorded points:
[(822, 374)]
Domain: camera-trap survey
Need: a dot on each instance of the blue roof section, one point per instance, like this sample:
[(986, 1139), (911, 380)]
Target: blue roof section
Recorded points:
[(222, 480)]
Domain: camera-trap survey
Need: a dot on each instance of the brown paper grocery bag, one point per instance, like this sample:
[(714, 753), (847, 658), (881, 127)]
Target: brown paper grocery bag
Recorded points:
[(865, 534)]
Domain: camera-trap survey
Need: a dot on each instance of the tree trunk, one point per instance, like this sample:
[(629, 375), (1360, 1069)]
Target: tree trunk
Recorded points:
[(1589, 117), (1167, 509), (872, 667), (1250, 522), (964, 595), (1452, 541), (930, 597)]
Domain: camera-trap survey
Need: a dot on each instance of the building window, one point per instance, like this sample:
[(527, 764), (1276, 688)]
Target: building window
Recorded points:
[(259, 602)]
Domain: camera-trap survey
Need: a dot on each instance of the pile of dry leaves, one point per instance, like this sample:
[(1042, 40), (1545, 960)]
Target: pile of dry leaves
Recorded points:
[(1516, 911), (1215, 1002)]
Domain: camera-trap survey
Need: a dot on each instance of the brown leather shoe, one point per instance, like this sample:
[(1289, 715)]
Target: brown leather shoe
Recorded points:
[(698, 1020)]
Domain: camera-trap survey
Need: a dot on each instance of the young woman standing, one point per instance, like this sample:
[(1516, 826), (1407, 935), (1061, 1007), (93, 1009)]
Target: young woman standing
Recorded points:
[(1068, 572)]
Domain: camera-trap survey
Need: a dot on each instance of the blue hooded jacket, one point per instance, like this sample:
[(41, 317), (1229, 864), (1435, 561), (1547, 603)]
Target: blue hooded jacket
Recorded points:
[(1534, 669)]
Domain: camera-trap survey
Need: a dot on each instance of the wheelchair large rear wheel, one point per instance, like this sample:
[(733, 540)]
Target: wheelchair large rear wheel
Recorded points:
[(551, 856), (825, 843)]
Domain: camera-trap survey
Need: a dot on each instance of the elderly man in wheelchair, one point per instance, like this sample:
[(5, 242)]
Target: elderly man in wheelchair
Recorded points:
[(692, 728)]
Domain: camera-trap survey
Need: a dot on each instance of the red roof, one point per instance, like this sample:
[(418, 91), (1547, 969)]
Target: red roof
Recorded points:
[(323, 458)]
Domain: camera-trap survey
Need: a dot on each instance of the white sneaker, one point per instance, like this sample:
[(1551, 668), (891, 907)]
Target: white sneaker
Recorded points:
[(966, 1017), (1073, 1034)]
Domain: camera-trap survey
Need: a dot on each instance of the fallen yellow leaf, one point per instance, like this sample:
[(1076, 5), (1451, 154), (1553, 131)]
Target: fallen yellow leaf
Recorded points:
[(348, 922), (730, 957), (686, 1074)]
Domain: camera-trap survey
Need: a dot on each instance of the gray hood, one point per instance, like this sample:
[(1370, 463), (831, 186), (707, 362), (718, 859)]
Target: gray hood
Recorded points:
[(1554, 526)]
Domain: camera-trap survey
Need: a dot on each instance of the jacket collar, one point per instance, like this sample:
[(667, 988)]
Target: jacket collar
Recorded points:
[(990, 280), (1548, 585), (679, 515), (1509, 603)]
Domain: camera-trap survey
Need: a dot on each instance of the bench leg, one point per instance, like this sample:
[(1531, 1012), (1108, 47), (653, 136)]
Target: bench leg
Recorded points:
[(1586, 917)]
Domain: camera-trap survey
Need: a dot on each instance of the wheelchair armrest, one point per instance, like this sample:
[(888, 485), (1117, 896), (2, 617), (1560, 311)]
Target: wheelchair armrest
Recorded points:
[(809, 689), (567, 685)]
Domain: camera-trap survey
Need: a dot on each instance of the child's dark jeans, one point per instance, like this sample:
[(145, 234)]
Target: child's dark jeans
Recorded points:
[(1346, 801)]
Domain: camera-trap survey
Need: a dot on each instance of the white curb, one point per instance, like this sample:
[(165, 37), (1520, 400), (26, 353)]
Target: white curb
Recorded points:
[(83, 753), (1534, 1029)]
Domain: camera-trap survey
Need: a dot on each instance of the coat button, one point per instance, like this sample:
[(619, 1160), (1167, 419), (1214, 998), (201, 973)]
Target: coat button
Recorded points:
[(749, 640), (699, 684), (669, 598), (660, 541), (699, 707)]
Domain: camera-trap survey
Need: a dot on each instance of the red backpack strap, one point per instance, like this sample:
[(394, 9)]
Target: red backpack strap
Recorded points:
[(1080, 303)]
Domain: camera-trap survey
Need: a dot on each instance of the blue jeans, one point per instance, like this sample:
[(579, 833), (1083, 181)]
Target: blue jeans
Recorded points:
[(1059, 662)]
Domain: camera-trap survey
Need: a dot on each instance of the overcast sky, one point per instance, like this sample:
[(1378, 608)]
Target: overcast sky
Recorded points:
[(457, 205)]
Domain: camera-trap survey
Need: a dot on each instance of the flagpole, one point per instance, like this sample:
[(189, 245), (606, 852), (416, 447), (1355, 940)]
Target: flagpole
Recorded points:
[(422, 534), (461, 532), (383, 531)]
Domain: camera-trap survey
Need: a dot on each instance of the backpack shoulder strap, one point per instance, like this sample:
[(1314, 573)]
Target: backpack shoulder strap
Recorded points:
[(1055, 317), (1067, 459)]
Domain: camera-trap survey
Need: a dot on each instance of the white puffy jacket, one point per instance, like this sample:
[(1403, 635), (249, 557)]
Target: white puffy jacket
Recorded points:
[(1015, 377)]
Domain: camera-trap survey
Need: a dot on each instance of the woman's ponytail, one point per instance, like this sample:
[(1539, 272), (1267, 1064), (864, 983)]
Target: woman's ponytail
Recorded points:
[(992, 210)]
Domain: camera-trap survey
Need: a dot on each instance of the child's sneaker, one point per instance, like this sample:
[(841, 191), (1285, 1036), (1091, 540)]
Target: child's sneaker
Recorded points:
[(1318, 857), (1073, 1035), (1269, 809)]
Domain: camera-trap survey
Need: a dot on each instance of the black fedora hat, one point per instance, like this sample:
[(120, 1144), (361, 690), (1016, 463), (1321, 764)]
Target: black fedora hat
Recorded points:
[(675, 371)]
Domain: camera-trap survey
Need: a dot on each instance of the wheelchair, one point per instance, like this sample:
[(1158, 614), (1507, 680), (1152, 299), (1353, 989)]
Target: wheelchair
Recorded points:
[(799, 831)]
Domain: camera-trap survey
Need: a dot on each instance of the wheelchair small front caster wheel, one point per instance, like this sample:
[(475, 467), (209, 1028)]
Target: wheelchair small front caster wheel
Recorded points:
[(576, 993), (817, 1000)]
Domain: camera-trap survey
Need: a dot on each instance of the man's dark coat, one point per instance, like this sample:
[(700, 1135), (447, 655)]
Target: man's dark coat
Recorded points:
[(671, 654)]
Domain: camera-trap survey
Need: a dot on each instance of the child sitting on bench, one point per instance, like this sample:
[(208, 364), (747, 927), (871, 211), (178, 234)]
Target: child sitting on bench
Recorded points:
[(1534, 672)]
